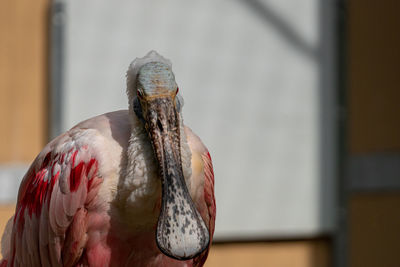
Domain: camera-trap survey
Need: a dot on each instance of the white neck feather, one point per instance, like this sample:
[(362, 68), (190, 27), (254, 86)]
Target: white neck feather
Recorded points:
[(141, 186)]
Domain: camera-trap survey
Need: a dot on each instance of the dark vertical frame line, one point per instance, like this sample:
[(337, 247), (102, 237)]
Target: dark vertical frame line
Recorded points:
[(56, 67), (340, 250)]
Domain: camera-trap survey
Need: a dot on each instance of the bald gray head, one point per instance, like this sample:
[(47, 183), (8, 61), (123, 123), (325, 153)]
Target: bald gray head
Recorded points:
[(156, 79)]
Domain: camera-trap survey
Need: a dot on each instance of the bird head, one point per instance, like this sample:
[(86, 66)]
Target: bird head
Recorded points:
[(155, 84), (181, 232)]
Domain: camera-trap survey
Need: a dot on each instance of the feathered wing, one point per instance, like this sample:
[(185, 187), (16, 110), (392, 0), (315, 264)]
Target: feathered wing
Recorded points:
[(49, 225), (202, 173), (209, 190), (210, 203)]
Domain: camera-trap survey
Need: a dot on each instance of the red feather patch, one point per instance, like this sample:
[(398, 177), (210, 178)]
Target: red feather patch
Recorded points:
[(40, 184)]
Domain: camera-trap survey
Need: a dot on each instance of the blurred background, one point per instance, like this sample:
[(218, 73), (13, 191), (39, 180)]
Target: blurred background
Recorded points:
[(297, 101)]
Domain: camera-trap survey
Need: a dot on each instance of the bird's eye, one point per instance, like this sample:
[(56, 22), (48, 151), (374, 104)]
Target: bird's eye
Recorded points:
[(139, 94), (177, 90)]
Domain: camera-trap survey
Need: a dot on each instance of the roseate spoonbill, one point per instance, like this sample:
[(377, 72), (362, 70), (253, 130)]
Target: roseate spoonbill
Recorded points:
[(127, 188)]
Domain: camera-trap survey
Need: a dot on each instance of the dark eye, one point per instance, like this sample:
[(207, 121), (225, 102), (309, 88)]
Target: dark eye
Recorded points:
[(139, 94), (177, 90)]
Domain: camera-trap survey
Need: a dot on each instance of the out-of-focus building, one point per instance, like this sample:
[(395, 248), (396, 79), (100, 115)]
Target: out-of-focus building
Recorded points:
[(296, 100)]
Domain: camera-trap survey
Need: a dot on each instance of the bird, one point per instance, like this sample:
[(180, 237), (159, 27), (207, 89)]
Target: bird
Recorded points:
[(130, 187)]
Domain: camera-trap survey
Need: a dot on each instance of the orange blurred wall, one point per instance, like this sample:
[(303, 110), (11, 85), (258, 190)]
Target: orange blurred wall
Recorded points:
[(23, 79)]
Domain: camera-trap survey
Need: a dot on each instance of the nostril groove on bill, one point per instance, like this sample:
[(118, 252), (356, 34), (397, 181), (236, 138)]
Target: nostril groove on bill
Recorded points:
[(159, 125)]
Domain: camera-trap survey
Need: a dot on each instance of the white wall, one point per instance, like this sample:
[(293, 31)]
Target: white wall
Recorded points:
[(257, 79)]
